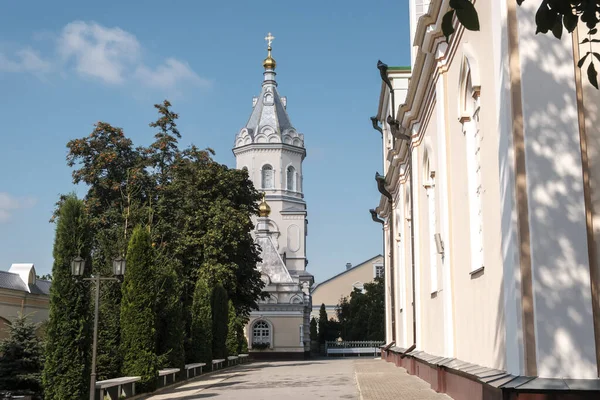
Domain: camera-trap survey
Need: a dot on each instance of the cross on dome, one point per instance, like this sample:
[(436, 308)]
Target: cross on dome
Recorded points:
[(269, 38)]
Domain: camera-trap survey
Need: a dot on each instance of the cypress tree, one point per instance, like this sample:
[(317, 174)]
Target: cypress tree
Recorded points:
[(138, 320), (21, 359), (322, 324), (313, 329), (200, 348), (233, 343), (220, 316), (170, 321), (66, 372)]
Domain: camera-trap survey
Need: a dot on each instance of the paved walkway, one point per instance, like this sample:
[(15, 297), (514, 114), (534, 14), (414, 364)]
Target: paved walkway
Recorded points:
[(342, 378)]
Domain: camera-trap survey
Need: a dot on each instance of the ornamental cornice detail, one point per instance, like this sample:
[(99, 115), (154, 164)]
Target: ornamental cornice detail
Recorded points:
[(269, 147), (294, 217)]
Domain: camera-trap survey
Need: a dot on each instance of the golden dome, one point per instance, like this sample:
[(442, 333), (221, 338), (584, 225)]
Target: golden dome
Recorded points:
[(269, 62), (263, 208)]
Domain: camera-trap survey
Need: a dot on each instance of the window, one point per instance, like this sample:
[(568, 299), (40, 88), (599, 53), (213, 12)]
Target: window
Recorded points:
[(267, 177), (291, 178), (472, 134), (379, 271), (261, 332), (421, 7)]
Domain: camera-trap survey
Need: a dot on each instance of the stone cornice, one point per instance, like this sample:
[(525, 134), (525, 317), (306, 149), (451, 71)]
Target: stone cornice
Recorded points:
[(432, 59), (259, 147)]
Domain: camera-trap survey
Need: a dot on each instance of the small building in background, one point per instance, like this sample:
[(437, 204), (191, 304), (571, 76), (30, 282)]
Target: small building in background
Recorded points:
[(22, 292), (330, 292)]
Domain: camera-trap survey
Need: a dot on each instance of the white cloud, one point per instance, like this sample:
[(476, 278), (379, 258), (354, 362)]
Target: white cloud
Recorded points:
[(108, 54), (98, 51), (9, 203), (169, 75), (26, 60)]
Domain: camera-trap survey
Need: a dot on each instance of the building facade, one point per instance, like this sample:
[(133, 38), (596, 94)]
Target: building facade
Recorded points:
[(330, 291), (272, 152), (489, 190), (22, 293)]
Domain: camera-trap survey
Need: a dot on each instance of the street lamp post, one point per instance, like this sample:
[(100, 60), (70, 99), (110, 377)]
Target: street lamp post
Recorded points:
[(77, 270)]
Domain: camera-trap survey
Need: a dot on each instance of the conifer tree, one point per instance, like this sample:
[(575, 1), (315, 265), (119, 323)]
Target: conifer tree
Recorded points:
[(323, 328), (21, 359), (313, 329), (170, 319), (220, 316), (235, 332), (138, 320), (201, 339), (67, 368)]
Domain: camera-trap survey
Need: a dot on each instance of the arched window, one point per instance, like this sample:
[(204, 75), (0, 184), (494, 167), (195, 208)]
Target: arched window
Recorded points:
[(267, 177), (470, 127), (261, 332), (291, 178), (429, 184)]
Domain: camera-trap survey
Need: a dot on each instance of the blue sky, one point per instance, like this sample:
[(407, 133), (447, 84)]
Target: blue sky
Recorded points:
[(66, 65)]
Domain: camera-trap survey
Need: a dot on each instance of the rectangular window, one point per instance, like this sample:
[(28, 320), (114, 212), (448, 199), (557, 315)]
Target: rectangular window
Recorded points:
[(379, 271)]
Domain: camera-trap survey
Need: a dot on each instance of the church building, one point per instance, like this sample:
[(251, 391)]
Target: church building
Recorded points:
[(490, 207), (272, 151)]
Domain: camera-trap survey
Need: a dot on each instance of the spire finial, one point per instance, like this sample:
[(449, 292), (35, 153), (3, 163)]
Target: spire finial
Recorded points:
[(269, 62), (263, 208)]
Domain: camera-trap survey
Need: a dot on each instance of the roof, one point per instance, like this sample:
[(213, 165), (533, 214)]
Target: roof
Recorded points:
[(9, 280), (269, 111), (20, 278), (269, 121), (344, 272), (399, 68), (271, 264)]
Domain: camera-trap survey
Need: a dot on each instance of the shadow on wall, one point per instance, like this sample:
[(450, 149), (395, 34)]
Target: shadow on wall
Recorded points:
[(561, 286)]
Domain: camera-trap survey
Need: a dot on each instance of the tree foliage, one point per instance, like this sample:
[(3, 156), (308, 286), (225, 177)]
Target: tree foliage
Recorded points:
[(552, 16), (235, 332), (21, 359), (362, 316), (313, 329), (220, 323), (199, 217), (67, 366), (200, 344), (138, 313), (323, 324), (170, 335)]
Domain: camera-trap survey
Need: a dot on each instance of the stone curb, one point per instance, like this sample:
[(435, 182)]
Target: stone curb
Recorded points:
[(143, 396)]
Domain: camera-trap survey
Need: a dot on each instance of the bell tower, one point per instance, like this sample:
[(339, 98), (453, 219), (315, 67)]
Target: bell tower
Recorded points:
[(272, 152)]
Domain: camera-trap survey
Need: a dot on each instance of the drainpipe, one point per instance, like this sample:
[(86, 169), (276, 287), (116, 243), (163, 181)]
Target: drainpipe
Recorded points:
[(381, 187)]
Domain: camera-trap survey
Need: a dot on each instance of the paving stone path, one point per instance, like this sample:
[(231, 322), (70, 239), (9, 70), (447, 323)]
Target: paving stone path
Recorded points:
[(337, 378)]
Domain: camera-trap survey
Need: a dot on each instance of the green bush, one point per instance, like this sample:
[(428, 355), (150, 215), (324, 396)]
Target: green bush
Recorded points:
[(138, 320)]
